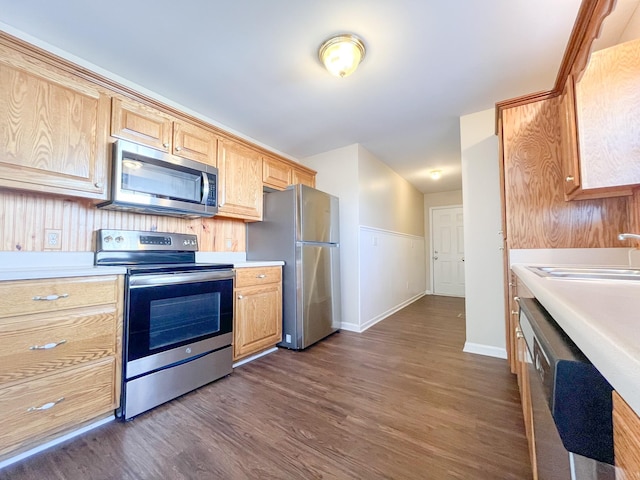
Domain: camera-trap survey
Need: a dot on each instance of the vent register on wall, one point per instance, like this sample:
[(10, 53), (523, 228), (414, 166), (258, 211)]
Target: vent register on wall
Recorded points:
[(145, 180)]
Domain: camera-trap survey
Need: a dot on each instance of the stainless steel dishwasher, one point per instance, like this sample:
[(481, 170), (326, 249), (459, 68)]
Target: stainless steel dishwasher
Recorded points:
[(571, 400)]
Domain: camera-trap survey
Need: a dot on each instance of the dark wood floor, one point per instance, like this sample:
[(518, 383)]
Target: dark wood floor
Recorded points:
[(400, 401)]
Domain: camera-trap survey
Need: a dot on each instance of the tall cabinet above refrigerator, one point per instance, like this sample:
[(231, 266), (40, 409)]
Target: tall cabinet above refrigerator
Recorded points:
[(301, 227)]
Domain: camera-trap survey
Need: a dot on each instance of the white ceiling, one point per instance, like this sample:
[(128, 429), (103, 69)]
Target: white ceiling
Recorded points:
[(252, 66)]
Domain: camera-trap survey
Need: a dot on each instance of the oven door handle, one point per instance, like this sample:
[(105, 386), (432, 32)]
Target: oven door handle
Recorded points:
[(160, 279)]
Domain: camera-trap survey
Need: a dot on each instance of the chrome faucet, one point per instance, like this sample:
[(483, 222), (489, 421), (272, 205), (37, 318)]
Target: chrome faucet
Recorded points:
[(625, 236)]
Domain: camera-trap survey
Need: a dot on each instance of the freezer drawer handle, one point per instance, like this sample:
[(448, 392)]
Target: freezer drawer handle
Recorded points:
[(50, 298), (46, 406), (47, 346)]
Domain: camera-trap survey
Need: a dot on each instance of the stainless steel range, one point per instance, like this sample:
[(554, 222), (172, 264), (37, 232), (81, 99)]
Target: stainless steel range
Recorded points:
[(178, 316)]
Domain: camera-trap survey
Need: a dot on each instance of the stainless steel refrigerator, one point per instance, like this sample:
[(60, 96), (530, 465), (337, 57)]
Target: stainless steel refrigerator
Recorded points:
[(300, 226)]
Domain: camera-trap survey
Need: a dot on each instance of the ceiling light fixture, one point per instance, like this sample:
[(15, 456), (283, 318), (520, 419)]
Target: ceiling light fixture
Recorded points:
[(435, 174), (342, 54)]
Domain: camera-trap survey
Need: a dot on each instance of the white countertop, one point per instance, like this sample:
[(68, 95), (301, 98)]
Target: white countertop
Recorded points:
[(36, 265), (602, 317)]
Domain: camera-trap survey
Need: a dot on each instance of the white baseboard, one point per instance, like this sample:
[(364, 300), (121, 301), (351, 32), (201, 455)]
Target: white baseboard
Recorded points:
[(486, 350), (351, 327), (388, 313), (55, 441)]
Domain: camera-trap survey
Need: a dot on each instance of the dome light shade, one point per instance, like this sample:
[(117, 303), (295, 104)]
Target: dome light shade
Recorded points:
[(435, 174), (342, 54)]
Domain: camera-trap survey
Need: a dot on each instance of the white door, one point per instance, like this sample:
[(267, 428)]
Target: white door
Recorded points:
[(447, 251)]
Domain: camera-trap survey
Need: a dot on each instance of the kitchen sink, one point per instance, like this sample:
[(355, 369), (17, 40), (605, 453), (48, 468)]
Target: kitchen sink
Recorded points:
[(588, 273)]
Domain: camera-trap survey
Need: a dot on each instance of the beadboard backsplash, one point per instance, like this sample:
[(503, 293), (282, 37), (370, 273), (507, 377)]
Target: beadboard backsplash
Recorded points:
[(25, 219)]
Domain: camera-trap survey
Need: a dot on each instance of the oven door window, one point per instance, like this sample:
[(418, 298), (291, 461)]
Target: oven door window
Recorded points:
[(170, 316)]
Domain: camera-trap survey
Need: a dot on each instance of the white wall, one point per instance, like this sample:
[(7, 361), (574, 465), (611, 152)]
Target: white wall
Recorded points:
[(381, 234), (391, 273), (388, 201), (441, 199), (482, 231)]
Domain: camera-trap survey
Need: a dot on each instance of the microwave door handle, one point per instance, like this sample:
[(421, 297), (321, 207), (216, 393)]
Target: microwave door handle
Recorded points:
[(206, 187)]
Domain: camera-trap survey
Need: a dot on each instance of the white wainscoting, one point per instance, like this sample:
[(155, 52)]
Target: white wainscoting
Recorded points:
[(392, 274)]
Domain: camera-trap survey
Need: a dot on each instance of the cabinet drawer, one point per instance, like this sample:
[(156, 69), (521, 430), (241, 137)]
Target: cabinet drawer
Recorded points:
[(86, 392), (246, 277), (36, 344), (30, 296)]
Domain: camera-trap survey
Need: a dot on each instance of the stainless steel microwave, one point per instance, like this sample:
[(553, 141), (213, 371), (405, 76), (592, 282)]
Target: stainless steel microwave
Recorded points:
[(145, 180)]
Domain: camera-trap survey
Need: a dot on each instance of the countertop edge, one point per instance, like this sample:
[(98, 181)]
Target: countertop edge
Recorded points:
[(602, 339)]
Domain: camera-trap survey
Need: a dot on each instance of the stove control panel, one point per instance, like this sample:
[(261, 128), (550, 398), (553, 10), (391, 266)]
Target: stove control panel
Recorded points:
[(138, 241)]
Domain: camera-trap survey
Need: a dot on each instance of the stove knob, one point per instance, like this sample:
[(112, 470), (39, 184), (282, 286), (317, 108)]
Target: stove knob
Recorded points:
[(107, 239), (185, 242), (119, 239)]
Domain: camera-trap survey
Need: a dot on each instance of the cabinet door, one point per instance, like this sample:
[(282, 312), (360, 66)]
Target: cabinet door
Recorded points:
[(303, 177), (275, 174), (53, 127), (525, 395), (570, 162), (608, 115), (194, 142), (258, 319), (626, 439), (141, 124), (240, 182), (29, 411)]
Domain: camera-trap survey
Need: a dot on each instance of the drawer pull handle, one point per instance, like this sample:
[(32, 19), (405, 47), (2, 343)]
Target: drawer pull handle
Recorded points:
[(47, 346), (50, 298), (46, 406), (262, 275)]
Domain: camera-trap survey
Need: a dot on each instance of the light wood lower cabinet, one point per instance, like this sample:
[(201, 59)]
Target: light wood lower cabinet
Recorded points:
[(258, 310), (60, 356), (626, 438), (522, 371)]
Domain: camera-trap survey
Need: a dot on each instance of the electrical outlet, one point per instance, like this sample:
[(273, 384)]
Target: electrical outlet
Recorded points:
[(52, 239)]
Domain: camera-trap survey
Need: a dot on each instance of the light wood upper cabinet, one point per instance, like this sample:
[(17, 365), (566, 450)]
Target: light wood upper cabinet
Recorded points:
[(570, 160), (275, 174), (239, 181), (303, 177), (606, 125), (54, 129), (258, 310), (279, 174), (142, 124)]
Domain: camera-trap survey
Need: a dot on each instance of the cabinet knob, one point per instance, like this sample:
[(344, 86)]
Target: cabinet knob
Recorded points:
[(240, 297), (570, 178), (262, 275), (165, 145), (513, 312), (98, 184), (178, 148)]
